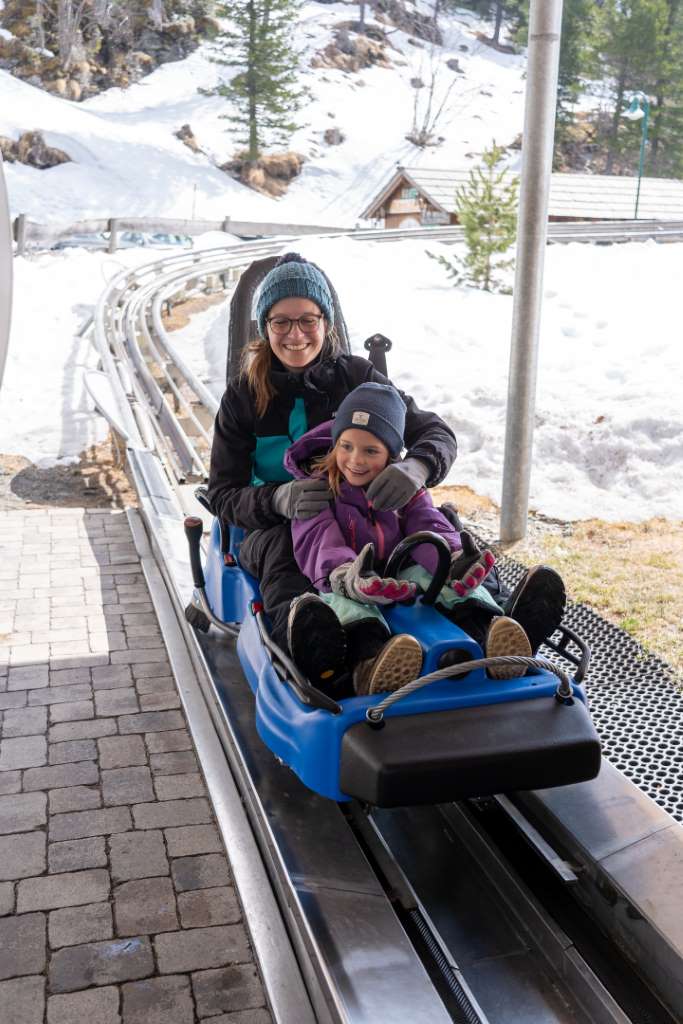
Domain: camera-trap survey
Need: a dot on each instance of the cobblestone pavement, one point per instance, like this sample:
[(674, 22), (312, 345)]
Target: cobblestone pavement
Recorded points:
[(116, 901)]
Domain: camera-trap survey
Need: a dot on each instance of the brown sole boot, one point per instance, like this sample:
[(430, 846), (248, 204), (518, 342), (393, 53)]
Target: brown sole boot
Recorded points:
[(398, 663), (506, 638)]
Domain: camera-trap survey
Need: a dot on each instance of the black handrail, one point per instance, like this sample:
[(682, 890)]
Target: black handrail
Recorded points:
[(399, 555)]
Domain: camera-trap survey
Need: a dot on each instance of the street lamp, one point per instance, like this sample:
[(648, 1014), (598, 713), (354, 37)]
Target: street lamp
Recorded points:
[(639, 109)]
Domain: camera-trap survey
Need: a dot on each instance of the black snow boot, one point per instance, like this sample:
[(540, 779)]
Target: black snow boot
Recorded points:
[(316, 639), (537, 603), (365, 638)]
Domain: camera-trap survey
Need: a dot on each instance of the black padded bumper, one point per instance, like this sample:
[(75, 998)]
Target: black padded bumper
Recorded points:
[(449, 755)]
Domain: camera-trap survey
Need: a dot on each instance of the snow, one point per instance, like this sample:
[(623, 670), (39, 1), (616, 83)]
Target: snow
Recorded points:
[(608, 438), (609, 426), (45, 414), (127, 162)]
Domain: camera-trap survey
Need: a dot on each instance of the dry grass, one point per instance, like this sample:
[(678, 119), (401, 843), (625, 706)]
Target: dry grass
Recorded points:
[(631, 573), (182, 312)]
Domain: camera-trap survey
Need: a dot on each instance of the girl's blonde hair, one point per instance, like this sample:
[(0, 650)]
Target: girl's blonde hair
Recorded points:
[(326, 465), (256, 363)]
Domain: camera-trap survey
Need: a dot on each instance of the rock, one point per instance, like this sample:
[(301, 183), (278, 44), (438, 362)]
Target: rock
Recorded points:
[(32, 150), (333, 136), (464, 48), (270, 174), (417, 83), (58, 86), (500, 47), (186, 135), (73, 89), (453, 65), (410, 21), (351, 52), (7, 149)]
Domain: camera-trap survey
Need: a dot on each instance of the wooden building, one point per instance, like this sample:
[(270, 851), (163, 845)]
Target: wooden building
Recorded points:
[(420, 196)]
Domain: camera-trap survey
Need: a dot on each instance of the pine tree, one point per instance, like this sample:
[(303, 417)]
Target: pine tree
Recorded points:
[(629, 50), (666, 132), (264, 90), (487, 209), (577, 30)]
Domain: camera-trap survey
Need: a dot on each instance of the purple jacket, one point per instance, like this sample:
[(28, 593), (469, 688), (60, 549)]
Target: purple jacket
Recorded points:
[(339, 533)]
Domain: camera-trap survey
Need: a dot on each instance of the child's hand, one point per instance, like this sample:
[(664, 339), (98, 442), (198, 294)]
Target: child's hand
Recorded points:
[(357, 581), (469, 567)]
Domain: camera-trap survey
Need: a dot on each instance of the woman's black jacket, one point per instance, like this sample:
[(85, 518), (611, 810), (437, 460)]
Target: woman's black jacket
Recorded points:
[(248, 449)]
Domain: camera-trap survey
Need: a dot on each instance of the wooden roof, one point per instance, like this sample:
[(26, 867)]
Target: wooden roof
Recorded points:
[(577, 196)]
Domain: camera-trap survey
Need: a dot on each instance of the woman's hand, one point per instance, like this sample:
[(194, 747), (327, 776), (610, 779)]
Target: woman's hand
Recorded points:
[(469, 567), (357, 581), (397, 484), (302, 499)]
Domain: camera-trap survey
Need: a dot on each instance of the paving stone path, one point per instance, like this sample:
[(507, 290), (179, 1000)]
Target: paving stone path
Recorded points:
[(116, 900)]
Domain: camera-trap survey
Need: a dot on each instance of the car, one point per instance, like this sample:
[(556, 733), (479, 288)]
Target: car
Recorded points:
[(83, 240)]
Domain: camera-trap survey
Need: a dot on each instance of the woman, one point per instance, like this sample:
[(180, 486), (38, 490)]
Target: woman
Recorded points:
[(294, 377)]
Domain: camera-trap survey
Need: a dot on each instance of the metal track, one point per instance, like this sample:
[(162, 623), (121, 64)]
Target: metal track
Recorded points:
[(405, 915)]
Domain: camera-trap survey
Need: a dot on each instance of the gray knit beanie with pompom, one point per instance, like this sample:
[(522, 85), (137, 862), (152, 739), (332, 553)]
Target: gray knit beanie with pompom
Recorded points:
[(292, 277)]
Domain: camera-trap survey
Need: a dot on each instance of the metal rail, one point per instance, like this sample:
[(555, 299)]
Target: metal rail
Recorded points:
[(367, 907)]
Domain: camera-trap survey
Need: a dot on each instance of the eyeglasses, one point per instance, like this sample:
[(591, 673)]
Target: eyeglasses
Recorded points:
[(308, 323)]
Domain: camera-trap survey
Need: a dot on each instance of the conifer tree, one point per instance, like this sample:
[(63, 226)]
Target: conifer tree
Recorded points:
[(666, 133), (628, 49), (487, 210), (264, 90), (577, 31)]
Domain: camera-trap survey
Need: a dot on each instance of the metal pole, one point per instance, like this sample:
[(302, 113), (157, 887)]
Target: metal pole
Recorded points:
[(545, 20), (643, 141)]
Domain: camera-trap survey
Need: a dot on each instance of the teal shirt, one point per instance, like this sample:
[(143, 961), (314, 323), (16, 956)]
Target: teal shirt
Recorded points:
[(268, 465)]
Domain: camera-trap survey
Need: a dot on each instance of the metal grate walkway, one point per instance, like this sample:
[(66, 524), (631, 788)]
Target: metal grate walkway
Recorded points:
[(636, 702)]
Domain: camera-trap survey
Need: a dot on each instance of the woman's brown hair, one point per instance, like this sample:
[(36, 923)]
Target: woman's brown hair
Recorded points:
[(256, 364)]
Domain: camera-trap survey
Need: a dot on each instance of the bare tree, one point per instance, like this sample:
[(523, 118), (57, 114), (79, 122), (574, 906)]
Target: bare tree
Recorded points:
[(70, 15), (429, 104), (157, 14)]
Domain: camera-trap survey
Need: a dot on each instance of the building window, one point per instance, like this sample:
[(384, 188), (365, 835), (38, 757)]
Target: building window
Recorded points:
[(408, 193), (434, 217)]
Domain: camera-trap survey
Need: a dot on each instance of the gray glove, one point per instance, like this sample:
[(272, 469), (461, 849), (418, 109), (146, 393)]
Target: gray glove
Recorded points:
[(302, 499), (358, 581), (397, 484)]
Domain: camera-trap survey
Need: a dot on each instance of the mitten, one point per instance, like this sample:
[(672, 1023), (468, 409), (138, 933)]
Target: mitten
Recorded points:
[(302, 499), (397, 484), (469, 567), (358, 581)]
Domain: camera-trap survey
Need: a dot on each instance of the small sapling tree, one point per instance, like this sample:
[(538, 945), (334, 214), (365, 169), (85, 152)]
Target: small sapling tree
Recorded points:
[(487, 210)]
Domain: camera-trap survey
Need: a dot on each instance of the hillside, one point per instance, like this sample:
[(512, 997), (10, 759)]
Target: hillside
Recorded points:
[(126, 160)]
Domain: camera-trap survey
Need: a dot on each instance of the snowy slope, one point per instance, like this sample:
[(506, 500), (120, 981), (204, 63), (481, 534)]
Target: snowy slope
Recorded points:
[(126, 160)]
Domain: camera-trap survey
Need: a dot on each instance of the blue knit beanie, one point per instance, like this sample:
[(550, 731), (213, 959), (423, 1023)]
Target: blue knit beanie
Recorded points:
[(292, 277), (375, 407)]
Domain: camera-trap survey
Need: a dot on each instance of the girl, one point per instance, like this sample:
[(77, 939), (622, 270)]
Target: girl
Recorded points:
[(342, 549)]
